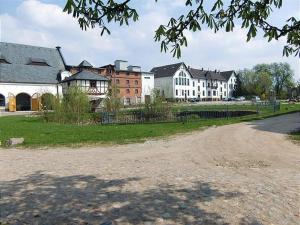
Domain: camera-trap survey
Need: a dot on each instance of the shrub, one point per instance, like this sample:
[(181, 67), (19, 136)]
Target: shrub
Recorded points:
[(112, 103), (74, 107)]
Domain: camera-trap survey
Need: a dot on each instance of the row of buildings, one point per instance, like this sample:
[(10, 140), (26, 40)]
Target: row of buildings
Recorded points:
[(27, 73)]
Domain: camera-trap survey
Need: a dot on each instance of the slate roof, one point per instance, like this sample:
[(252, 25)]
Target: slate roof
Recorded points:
[(206, 74), (85, 63), (85, 75), (227, 74), (165, 71), (19, 56)]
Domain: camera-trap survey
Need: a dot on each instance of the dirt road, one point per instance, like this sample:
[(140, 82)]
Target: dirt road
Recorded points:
[(244, 173)]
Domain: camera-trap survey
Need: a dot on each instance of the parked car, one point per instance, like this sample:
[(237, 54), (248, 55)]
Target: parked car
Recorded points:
[(241, 98), (256, 99), (231, 99), (193, 100)]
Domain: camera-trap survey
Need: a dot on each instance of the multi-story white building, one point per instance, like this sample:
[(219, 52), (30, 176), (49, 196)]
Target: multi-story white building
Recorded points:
[(177, 81), (147, 86)]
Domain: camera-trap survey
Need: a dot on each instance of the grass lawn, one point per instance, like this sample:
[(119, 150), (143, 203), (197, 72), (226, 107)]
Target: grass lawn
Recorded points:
[(296, 136), (38, 133)]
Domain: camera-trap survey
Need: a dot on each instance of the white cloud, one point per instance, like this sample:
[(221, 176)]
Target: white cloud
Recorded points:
[(37, 23)]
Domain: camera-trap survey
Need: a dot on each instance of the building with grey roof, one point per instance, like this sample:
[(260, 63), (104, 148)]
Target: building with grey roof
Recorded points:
[(26, 73), (177, 81)]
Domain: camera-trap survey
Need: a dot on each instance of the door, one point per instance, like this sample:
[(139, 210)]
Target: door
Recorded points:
[(11, 102), (35, 102)]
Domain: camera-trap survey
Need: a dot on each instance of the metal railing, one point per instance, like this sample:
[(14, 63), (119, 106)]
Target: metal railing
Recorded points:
[(186, 114)]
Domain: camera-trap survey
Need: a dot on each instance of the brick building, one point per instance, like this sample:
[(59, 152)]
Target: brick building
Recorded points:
[(127, 79)]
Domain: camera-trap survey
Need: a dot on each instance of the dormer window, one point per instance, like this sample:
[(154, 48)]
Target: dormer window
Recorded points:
[(3, 60), (37, 62)]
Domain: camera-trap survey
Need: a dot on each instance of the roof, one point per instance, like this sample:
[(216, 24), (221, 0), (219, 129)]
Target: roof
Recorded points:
[(206, 74), (86, 75), (166, 71), (85, 63), (18, 56), (227, 74)]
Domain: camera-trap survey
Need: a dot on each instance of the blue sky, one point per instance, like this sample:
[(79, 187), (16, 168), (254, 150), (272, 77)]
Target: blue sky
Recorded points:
[(42, 23)]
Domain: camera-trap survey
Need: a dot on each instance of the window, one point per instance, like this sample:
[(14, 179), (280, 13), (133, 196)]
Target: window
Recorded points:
[(188, 82), (208, 84), (194, 93), (188, 93), (184, 81), (136, 82), (127, 101), (224, 85), (176, 81), (182, 92), (198, 88), (93, 84), (203, 84), (179, 81), (221, 89), (127, 82), (214, 93), (117, 81), (2, 100), (127, 91), (198, 81), (193, 83), (127, 73), (136, 91), (221, 82), (176, 92), (224, 93), (208, 93), (203, 93)]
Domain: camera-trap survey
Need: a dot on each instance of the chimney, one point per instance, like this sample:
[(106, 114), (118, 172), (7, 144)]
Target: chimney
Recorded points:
[(215, 70), (61, 56), (202, 69)]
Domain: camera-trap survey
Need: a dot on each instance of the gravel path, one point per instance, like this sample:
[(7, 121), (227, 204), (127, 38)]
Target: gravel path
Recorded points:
[(246, 174)]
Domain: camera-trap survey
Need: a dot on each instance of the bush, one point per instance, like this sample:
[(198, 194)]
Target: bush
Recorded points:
[(112, 103), (74, 107)]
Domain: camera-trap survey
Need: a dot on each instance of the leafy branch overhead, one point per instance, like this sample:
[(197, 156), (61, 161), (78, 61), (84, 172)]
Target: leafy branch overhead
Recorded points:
[(248, 14)]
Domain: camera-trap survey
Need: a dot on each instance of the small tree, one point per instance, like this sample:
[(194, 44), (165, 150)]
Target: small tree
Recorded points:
[(112, 103), (72, 108)]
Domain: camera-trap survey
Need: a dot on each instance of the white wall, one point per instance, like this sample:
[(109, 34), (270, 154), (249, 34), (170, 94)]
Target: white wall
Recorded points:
[(102, 86), (188, 88), (231, 84), (30, 89), (164, 84), (147, 84)]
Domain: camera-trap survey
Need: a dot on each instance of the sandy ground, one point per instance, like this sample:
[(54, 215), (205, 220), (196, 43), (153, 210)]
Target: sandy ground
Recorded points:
[(246, 174)]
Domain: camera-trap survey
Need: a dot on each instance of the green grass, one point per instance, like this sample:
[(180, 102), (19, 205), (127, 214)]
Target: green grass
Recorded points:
[(38, 133), (295, 136)]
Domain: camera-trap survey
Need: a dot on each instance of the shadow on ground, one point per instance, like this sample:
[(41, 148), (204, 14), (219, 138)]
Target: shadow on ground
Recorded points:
[(280, 124), (45, 199)]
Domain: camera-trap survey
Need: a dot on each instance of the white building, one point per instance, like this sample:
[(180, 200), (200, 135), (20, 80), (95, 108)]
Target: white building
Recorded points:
[(93, 84), (27, 73), (177, 81), (147, 86)]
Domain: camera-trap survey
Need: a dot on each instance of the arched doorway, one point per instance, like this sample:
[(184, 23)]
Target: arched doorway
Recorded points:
[(23, 102), (2, 100), (47, 100)]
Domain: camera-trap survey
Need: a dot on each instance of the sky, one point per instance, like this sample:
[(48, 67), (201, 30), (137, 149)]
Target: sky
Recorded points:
[(43, 23)]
